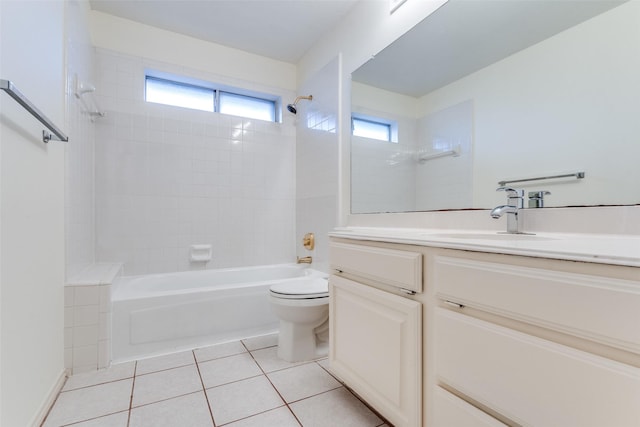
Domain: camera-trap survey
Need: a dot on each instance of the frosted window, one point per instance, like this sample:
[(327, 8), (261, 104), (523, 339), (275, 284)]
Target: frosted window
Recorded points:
[(371, 129), (247, 106), (179, 94)]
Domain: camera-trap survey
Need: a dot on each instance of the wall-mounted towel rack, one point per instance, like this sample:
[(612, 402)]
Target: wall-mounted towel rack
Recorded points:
[(58, 135), (82, 89), (576, 175), (426, 157)]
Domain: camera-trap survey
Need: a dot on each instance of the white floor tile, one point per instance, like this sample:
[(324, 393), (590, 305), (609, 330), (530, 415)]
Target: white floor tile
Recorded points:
[(113, 373), (228, 369), (188, 411), (218, 351), (242, 399), (334, 408), (264, 341), (90, 402), (280, 417), (114, 420), (168, 361), (165, 384), (302, 381), (268, 360)]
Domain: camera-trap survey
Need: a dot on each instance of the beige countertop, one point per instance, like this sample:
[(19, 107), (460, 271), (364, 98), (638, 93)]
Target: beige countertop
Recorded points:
[(613, 249)]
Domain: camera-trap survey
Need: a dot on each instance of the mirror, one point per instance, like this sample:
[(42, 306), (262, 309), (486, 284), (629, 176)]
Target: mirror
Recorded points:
[(487, 91)]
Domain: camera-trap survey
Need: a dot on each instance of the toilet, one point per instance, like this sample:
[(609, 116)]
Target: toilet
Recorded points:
[(302, 306)]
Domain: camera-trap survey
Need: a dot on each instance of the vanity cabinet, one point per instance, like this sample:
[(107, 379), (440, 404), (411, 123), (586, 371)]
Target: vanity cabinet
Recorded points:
[(534, 343), (376, 334), (503, 340)]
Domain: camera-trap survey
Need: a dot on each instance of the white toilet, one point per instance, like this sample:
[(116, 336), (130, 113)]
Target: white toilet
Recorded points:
[(303, 309)]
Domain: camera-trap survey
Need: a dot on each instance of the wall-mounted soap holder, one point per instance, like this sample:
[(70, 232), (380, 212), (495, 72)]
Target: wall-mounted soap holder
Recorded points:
[(200, 253)]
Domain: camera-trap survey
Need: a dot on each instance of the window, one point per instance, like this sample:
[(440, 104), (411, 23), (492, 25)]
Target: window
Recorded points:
[(179, 94), (247, 106), (210, 98), (374, 128)]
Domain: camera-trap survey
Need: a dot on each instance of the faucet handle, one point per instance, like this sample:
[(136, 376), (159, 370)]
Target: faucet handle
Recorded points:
[(511, 192), (536, 198)]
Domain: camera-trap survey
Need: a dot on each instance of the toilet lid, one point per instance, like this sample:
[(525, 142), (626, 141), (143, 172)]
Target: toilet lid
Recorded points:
[(302, 289)]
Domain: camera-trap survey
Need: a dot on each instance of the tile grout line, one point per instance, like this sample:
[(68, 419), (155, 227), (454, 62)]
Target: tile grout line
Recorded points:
[(75, 423), (133, 385), (164, 369), (204, 390), (274, 387)]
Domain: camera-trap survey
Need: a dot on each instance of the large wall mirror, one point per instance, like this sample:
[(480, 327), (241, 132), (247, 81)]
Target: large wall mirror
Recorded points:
[(484, 91)]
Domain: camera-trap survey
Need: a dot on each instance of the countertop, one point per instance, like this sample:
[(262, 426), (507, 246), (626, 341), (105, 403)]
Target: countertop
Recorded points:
[(597, 248)]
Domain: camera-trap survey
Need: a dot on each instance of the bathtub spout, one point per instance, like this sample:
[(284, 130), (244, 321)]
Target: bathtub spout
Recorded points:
[(304, 260)]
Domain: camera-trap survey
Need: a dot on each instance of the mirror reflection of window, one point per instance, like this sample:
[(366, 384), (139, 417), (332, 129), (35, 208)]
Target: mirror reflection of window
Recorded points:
[(373, 128)]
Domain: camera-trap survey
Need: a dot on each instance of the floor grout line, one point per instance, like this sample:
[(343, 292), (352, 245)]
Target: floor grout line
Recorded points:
[(204, 390), (133, 385), (75, 423), (275, 388)]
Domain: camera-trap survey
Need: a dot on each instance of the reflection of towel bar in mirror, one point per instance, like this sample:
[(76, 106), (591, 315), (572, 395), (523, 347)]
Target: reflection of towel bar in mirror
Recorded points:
[(455, 152), (576, 175)]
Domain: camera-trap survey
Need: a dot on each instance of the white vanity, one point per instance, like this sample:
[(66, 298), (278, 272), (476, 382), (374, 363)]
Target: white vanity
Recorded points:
[(483, 329)]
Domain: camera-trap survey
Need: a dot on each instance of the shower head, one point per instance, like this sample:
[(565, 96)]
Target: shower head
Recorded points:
[(292, 107)]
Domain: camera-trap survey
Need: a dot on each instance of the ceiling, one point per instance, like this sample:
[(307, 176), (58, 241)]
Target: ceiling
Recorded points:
[(278, 29)]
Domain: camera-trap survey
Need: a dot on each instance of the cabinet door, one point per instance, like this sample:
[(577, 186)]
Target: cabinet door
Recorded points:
[(376, 348)]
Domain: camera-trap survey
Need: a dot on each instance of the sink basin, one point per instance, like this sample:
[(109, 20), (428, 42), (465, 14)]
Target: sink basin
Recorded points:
[(489, 236)]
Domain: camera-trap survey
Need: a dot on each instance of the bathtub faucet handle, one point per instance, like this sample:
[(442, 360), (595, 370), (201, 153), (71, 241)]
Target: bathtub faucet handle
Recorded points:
[(304, 260)]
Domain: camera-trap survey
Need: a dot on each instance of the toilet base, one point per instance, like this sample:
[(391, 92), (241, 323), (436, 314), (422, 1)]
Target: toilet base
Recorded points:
[(299, 342)]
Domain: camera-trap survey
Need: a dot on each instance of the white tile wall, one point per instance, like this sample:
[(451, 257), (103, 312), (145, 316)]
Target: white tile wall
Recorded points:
[(317, 162), (87, 333), (87, 318), (168, 178)]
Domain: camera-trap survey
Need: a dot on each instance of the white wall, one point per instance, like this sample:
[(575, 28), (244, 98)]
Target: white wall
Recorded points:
[(32, 210), (79, 168), (138, 40)]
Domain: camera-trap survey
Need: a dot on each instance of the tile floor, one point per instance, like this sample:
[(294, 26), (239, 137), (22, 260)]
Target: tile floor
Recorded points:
[(237, 384)]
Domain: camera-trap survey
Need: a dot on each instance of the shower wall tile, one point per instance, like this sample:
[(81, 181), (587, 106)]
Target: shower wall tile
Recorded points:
[(168, 178), (317, 159)]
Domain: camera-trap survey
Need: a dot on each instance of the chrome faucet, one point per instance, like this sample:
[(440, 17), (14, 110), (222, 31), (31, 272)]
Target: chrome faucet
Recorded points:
[(515, 202)]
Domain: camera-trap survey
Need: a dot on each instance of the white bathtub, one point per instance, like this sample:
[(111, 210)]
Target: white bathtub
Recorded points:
[(162, 313)]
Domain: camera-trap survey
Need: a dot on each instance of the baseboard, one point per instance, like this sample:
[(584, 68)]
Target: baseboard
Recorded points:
[(50, 400)]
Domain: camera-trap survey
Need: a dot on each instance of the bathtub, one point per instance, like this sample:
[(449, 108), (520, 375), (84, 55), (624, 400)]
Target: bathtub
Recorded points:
[(162, 313)]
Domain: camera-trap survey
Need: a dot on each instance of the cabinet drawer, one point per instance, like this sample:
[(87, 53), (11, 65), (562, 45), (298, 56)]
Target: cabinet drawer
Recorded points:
[(533, 381), (402, 269), (600, 309), (450, 410)]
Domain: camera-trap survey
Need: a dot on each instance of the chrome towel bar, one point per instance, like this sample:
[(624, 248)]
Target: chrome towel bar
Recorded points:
[(576, 175), (58, 135)]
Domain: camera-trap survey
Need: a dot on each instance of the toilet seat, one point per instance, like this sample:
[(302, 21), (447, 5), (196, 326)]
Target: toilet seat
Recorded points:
[(301, 289)]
